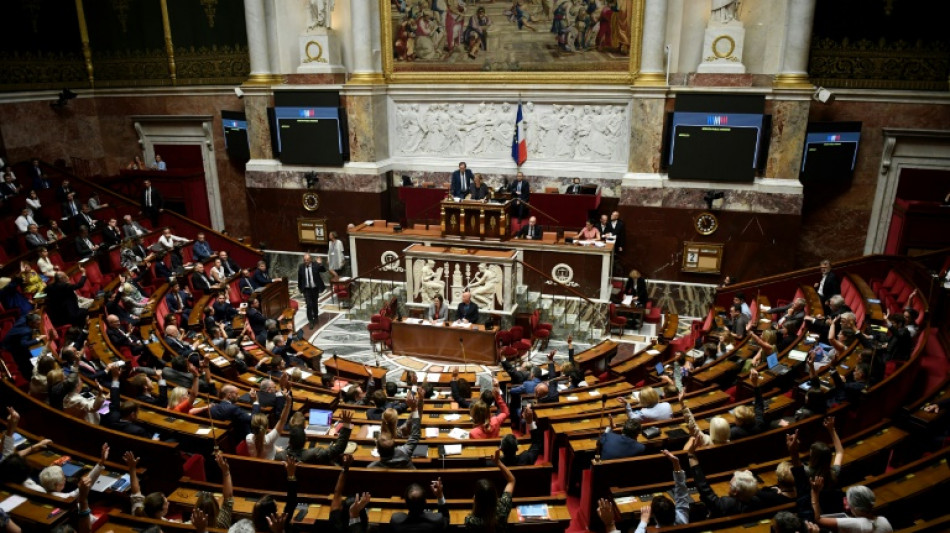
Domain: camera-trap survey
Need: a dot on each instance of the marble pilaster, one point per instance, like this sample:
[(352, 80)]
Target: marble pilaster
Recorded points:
[(798, 26), (335, 181), (652, 57), (257, 42), (273, 40), (258, 128), (789, 125), (747, 200), (364, 67), (368, 125), (646, 133)]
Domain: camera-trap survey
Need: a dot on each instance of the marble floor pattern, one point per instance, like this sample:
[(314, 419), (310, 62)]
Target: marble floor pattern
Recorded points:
[(337, 333)]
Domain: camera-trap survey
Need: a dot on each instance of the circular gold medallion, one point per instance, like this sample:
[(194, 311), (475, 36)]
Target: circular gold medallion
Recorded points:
[(706, 223), (311, 202)]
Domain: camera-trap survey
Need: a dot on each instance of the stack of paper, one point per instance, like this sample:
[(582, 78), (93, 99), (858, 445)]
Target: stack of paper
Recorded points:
[(432, 433), (12, 502), (433, 377), (452, 449), (459, 434), (797, 355), (452, 417)]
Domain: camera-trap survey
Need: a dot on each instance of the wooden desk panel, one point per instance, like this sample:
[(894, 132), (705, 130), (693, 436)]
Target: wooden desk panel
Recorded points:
[(443, 342)]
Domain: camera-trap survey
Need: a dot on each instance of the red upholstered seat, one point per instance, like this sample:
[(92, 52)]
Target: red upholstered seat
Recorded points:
[(654, 315), (615, 321)]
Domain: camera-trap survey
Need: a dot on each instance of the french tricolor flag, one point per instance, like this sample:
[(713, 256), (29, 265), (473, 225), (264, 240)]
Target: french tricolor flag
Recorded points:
[(307, 113), (519, 146)]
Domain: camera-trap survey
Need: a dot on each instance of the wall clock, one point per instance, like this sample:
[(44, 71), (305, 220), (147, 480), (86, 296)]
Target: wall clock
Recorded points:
[(706, 223), (311, 202)]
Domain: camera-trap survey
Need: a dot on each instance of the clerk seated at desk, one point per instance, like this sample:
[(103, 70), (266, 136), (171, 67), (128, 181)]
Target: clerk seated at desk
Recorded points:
[(437, 309), (636, 287), (589, 233), (531, 231), (479, 191), (467, 310)]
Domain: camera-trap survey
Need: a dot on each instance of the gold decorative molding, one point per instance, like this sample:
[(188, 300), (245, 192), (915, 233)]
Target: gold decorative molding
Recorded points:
[(565, 76), (881, 64), (265, 79), (650, 79), (314, 58), (84, 37), (169, 46), (366, 78), (792, 81)]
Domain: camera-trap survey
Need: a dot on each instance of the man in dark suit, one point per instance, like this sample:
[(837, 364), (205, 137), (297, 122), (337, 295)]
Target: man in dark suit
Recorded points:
[(33, 237), (269, 395), (245, 285), (255, 319), (532, 231), (418, 519), (35, 172), (111, 234), (625, 444), (461, 181), (603, 226), (62, 192), (522, 194), (311, 285), (575, 187), (227, 410), (829, 284), (152, 202), (123, 339), (467, 310), (70, 208), (174, 340), (619, 230), (261, 277), (177, 300), (229, 266), (122, 415), (132, 228), (509, 444), (84, 245), (199, 280), (223, 310), (62, 305), (85, 218)]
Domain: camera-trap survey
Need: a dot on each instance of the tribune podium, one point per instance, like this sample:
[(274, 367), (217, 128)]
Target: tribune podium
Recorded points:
[(475, 220)]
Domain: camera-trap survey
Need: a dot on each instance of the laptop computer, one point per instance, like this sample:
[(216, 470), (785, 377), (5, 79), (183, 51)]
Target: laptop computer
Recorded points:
[(320, 422), (775, 367), (660, 368)]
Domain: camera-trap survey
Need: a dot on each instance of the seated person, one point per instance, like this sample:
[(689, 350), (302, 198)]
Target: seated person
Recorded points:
[(485, 427), (317, 455), (531, 231), (625, 444), (509, 444), (467, 311), (461, 390), (437, 310), (261, 278), (201, 249), (650, 406), (381, 403), (588, 233), (636, 287), (392, 456), (743, 491), (479, 191)]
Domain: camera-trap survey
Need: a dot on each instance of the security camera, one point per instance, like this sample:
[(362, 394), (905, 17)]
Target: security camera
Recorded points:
[(238, 92), (823, 95)]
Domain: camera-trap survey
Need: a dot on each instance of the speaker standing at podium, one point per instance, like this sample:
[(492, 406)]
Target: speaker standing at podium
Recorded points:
[(311, 285), (461, 184)]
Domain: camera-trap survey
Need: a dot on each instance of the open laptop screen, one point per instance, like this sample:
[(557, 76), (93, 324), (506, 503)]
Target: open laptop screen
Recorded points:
[(320, 417)]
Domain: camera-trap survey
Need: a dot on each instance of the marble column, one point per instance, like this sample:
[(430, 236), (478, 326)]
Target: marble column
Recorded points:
[(367, 122), (257, 42), (273, 43), (646, 131), (652, 57), (798, 25), (361, 29)]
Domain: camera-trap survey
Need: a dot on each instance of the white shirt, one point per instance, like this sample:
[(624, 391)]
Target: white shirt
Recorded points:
[(34, 204), (270, 444), (85, 408), (863, 525), (46, 266), (168, 241), (23, 223), (335, 255)]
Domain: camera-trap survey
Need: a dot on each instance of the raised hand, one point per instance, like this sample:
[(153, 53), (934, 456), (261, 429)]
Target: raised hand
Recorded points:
[(360, 503), (496, 457), (754, 377), (13, 417), (829, 423), (347, 461), (792, 443), (605, 510), (222, 462), (200, 520), (645, 514), (291, 465), (932, 408), (131, 460), (437, 488), (528, 414), (817, 484), (623, 400), (85, 485), (673, 459), (682, 396), (551, 355), (275, 522), (104, 455), (346, 417)]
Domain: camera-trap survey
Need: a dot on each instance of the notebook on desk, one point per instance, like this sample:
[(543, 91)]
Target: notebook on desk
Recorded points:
[(320, 422), (775, 367)]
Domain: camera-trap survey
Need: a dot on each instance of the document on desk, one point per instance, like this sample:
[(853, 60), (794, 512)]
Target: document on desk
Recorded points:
[(452, 449), (452, 417), (627, 300), (572, 398), (420, 377), (413, 320), (432, 433), (594, 393), (797, 355), (460, 324), (459, 434), (433, 377), (653, 351), (12, 502)]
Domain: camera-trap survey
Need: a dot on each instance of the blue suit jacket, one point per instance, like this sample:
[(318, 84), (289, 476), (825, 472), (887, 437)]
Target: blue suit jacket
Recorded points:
[(456, 186), (617, 446), (259, 278)]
